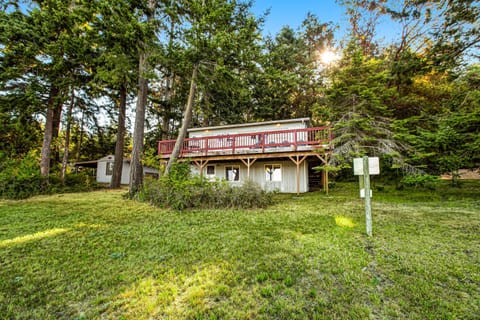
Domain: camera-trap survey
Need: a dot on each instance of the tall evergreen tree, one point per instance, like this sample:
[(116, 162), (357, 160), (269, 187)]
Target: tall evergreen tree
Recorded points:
[(220, 36)]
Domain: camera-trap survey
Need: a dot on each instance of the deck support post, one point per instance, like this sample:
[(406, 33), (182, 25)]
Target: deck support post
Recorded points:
[(201, 164), (248, 162), (325, 172), (298, 161)]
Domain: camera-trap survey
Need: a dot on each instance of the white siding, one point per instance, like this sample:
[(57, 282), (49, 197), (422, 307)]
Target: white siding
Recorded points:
[(102, 177), (125, 173), (101, 169), (257, 174)]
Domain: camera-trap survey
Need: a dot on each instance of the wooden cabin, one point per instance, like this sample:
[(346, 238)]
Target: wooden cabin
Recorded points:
[(278, 155)]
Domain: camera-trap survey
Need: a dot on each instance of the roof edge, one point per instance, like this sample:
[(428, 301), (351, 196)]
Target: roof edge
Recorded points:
[(252, 124)]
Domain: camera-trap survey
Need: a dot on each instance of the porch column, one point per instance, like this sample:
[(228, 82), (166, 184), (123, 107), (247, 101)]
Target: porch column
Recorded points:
[(248, 162), (201, 164), (298, 161), (325, 172)]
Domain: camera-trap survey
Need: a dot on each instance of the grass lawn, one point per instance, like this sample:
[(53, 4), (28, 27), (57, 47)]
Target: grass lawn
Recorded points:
[(96, 255)]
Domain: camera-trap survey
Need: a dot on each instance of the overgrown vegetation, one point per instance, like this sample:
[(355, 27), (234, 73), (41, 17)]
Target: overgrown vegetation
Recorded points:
[(20, 179), (181, 190), (96, 255)]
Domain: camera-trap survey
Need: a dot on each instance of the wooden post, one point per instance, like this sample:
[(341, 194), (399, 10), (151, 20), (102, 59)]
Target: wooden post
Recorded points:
[(325, 186), (201, 165), (248, 163), (326, 175), (298, 177), (295, 142), (368, 208), (298, 162)]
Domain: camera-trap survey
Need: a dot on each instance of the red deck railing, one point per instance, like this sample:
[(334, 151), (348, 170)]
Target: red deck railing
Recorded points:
[(253, 142)]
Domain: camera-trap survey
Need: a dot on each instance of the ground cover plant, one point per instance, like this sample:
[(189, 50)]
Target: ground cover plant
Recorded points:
[(98, 255)]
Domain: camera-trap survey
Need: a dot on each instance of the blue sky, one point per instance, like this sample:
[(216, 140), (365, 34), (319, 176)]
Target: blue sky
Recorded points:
[(293, 12)]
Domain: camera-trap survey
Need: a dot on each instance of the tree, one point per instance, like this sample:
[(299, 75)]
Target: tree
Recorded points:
[(356, 101), (145, 47), (447, 141), (50, 39), (21, 98), (115, 28), (221, 37)]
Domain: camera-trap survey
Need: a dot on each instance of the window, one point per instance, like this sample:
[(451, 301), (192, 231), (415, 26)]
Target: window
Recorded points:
[(210, 170), (273, 172), (232, 173), (109, 169)]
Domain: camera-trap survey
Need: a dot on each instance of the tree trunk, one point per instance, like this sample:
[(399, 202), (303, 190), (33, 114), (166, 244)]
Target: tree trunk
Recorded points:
[(187, 117), (48, 134), (57, 119), (118, 164), (80, 139), (136, 167), (67, 137)]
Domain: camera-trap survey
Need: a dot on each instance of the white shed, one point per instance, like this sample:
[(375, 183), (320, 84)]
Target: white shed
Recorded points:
[(104, 169)]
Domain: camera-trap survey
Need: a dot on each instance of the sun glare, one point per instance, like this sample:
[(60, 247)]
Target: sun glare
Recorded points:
[(328, 57), (35, 236)]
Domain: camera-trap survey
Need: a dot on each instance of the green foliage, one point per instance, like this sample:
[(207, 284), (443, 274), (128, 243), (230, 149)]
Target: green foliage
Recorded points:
[(420, 180), (20, 179), (180, 190)]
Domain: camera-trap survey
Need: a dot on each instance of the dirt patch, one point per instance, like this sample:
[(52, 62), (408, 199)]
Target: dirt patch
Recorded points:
[(465, 174)]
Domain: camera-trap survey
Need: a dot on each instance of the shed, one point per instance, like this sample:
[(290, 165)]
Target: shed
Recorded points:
[(104, 169)]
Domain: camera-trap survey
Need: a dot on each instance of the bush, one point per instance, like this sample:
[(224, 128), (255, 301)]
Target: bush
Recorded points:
[(420, 180), (180, 190), (20, 179)]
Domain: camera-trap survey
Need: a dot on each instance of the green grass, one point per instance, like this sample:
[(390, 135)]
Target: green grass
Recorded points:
[(97, 255)]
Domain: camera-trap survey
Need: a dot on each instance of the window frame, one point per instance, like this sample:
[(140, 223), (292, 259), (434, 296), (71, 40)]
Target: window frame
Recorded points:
[(214, 170), (270, 176), (231, 168), (109, 168)]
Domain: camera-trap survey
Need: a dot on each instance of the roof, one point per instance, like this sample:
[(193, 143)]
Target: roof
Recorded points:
[(254, 124), (93, 163), (88, 164), (111, 157)]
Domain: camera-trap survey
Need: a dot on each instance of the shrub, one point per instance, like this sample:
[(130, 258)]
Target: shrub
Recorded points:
[(180, 190), (420, 180), (20, 179)]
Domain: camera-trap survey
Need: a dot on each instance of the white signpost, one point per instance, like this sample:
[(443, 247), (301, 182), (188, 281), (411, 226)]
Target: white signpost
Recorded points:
[(365, 167)]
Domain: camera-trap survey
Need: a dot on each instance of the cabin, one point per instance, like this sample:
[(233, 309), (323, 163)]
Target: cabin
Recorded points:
[(104, 169), (278, 155)]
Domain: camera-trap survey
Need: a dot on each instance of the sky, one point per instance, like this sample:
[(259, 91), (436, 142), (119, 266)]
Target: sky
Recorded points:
[(293, 12)]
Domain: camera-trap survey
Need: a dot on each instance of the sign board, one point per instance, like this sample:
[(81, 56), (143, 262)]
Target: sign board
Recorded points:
[(362, 193), (373, 166)]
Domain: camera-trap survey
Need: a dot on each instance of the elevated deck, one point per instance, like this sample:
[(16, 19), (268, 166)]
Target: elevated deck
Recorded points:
[(266, 144)]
